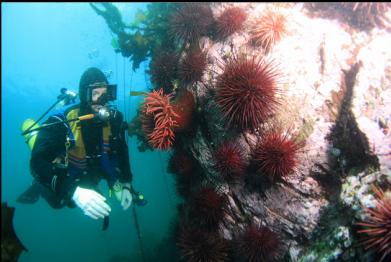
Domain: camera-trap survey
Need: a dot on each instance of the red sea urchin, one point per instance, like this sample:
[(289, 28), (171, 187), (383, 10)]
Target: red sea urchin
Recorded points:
[(158, 105), (230, 21), (208, 208), (190, 21), (192, 67), (181, 163), (230, 160), (276, 155), (184, 166), (197, 246), (258, 244), (378, 225), (246, 91), (268, 29), (163, 70)]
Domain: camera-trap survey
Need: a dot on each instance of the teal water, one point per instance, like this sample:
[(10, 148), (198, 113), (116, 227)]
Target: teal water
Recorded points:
[(45, 47)]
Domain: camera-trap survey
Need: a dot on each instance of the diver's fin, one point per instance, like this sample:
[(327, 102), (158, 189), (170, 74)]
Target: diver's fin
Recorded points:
[(30, 195)]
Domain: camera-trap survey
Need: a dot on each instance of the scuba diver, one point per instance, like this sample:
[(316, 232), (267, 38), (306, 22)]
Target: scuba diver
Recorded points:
[(77, 148)]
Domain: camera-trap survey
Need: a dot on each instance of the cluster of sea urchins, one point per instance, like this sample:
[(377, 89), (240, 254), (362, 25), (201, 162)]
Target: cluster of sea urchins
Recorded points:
[(158, 120), (246, 91), (377, 227)]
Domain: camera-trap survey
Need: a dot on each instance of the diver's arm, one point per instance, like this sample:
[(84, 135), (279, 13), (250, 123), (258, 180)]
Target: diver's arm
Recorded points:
[(49, 144)]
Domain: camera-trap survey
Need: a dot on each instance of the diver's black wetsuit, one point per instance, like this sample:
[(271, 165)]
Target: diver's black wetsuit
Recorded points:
[(50, 144)]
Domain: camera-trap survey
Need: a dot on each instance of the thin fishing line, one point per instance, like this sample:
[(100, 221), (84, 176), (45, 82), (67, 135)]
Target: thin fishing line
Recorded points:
[(130, 86), (124, 82)]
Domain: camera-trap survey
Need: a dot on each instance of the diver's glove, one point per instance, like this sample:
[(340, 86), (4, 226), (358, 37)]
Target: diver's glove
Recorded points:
[(92, 203), (123, 194)]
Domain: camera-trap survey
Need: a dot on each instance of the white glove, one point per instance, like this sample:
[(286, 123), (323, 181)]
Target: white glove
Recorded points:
[(124, 196), (92, 203)]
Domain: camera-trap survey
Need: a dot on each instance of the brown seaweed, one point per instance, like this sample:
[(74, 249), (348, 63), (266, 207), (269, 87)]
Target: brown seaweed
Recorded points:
[(11, 246)]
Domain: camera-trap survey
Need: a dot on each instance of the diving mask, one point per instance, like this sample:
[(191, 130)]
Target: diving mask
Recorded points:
[(110, 95)]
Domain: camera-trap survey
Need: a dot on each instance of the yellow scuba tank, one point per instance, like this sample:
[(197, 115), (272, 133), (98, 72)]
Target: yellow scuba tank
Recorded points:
[(65, 98), (32, 136)]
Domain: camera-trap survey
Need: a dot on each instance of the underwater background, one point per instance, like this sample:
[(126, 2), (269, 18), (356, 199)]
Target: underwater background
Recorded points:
[(256, 131), (46, 47)]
